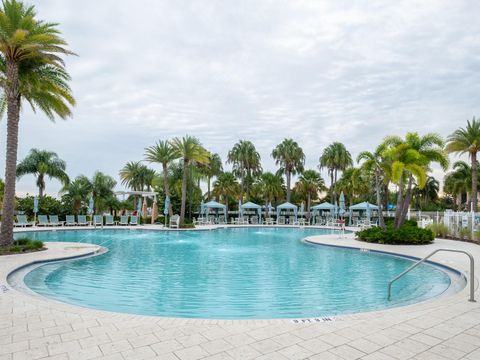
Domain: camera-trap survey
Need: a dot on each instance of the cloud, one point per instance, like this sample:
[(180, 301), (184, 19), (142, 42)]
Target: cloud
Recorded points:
[(316, 71)]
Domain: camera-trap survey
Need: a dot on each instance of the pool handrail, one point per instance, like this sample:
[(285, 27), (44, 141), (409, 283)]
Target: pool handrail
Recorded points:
[(472, 271)]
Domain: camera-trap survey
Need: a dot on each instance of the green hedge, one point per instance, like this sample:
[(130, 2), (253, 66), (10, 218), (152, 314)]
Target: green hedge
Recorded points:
[(21, 245), (407, 234)]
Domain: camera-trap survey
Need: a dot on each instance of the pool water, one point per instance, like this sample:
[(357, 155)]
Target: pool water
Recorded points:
[(236, 273)]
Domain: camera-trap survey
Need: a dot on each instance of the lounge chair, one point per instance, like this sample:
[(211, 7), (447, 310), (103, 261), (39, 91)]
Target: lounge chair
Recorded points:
[(109, 221), (97, 220), (43, 220), (133, 220), (254, 220), (175, 221), (123, 220), (22, 221), (70, 220), (281, 220), (82, 220), (54, 220), (269, 221)]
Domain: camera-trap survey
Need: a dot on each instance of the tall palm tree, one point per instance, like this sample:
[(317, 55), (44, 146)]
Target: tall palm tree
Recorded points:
[(137, 176), (335, 158), (309, 184), (290, 157), (467, 140), (189, 149), (411, 159), (31, 69), (428, 193), (101, 188), (459, 182), (41, 163), (353, 182), (226, 187), (246, 164), (375, 163), (270, 187), (212, 169), (162, 153), (76, 193)]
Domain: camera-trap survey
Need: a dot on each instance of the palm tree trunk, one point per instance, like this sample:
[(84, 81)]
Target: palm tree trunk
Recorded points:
[(41, 185), (242, 179), (288, 175), (13, 118), (208, 188), (381, 222), (331, 186), (334, 187), (398, 209), (167, 188), (184, 191), (308, 205), (474, 180), (406, 202)]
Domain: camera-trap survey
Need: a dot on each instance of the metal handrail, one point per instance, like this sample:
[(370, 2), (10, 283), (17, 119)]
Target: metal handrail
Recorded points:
[(472, 271)]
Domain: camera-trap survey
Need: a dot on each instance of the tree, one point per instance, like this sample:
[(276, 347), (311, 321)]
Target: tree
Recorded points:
[(32, 70), (100, 187), (376, 163), (41, 163), (189, 149), (212, 169), (463, 141), (353, 182), (137, 176), (335, 157), (290, 157), (76, 193), (269, 187), (226, 187), (428, 193), (459, 182), (309, 185), (162, 153), (411, 158), (246, 164)]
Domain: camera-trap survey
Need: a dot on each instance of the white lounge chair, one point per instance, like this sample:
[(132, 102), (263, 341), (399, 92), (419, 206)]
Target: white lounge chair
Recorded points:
[(54, 220), (43, 220), (82, 220), (109, 221), (123, 220), (133, 220), (22, 221), (70, 220), (174, 221), (98, 220)]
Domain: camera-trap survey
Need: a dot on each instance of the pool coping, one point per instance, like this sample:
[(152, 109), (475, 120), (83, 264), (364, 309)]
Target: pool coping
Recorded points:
[(426, 318)]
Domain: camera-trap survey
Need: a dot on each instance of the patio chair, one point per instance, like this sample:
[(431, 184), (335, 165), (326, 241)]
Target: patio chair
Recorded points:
[(98, 220), (82, 220), (54, 220), (43, 220), (109, 221), (174, 221), (254, 220), (221, 221), (269, 221), (22, 221), (281, 220), (70, 220), (123, 220), (133, 220)]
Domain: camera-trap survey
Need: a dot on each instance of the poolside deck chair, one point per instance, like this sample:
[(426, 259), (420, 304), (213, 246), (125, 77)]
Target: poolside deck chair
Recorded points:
[(109, 221), (221, 221), (54, 220), (43, 220), (269, 221), (82, 220), (281, 220), (133, 220), (123, 220), (70, 220), (175, 221), (22, 221), (98, 220), (254, 220)]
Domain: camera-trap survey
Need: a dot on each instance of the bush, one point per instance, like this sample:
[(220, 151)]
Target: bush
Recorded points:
[(407, 234), (22, 245), (439, 230)]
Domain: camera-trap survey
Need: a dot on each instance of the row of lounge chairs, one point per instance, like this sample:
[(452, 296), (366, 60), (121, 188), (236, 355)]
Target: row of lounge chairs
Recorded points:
[(81, 220)]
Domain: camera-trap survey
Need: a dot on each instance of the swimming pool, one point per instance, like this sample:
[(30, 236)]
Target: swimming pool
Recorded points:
[(235, 273)]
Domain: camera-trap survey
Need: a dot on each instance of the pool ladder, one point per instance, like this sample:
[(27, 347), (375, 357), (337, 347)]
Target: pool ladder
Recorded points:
[(472, 271)]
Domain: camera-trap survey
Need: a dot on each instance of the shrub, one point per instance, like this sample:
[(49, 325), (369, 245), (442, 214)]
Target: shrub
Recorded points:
[(22, 245), (464, 233), (407, 234), (439, 230)]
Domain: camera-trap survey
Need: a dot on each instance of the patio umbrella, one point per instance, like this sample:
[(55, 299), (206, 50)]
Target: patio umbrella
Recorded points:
[(154, 211), (90, 206), (335, 209), (240, 210), (139, 207), (368, 212), (302, 208), (165, 208), (144, 208), (341, 212), (35, 209)]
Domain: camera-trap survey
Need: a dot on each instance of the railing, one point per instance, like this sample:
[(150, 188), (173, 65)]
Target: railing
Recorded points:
[(472, 271)]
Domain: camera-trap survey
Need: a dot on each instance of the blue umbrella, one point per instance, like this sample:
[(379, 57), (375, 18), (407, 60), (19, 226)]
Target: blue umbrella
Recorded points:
[(368, 212), (302, 208), (35, 209), (342, 204), (139, 207), (90, 206), (166, 205)]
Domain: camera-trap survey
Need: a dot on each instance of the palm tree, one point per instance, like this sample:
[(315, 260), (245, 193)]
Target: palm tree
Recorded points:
[(335, 157), (270, 187), (31, 69), (212, 169), (411, 159), (310, 184), (41, 163), (459, 182), (101, 188), (290, 157), (428, 193), (76, 193), (189, 149), (162, 153), (226, 187), (136, 176), (467, 140), (353, 182), (375, 163), (246, 164)]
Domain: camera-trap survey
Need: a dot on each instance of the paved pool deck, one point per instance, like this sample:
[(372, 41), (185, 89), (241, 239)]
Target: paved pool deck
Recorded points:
[(32, 327)]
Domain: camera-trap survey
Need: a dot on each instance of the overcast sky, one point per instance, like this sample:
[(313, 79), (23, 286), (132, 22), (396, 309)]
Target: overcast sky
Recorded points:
[(315, 71)]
